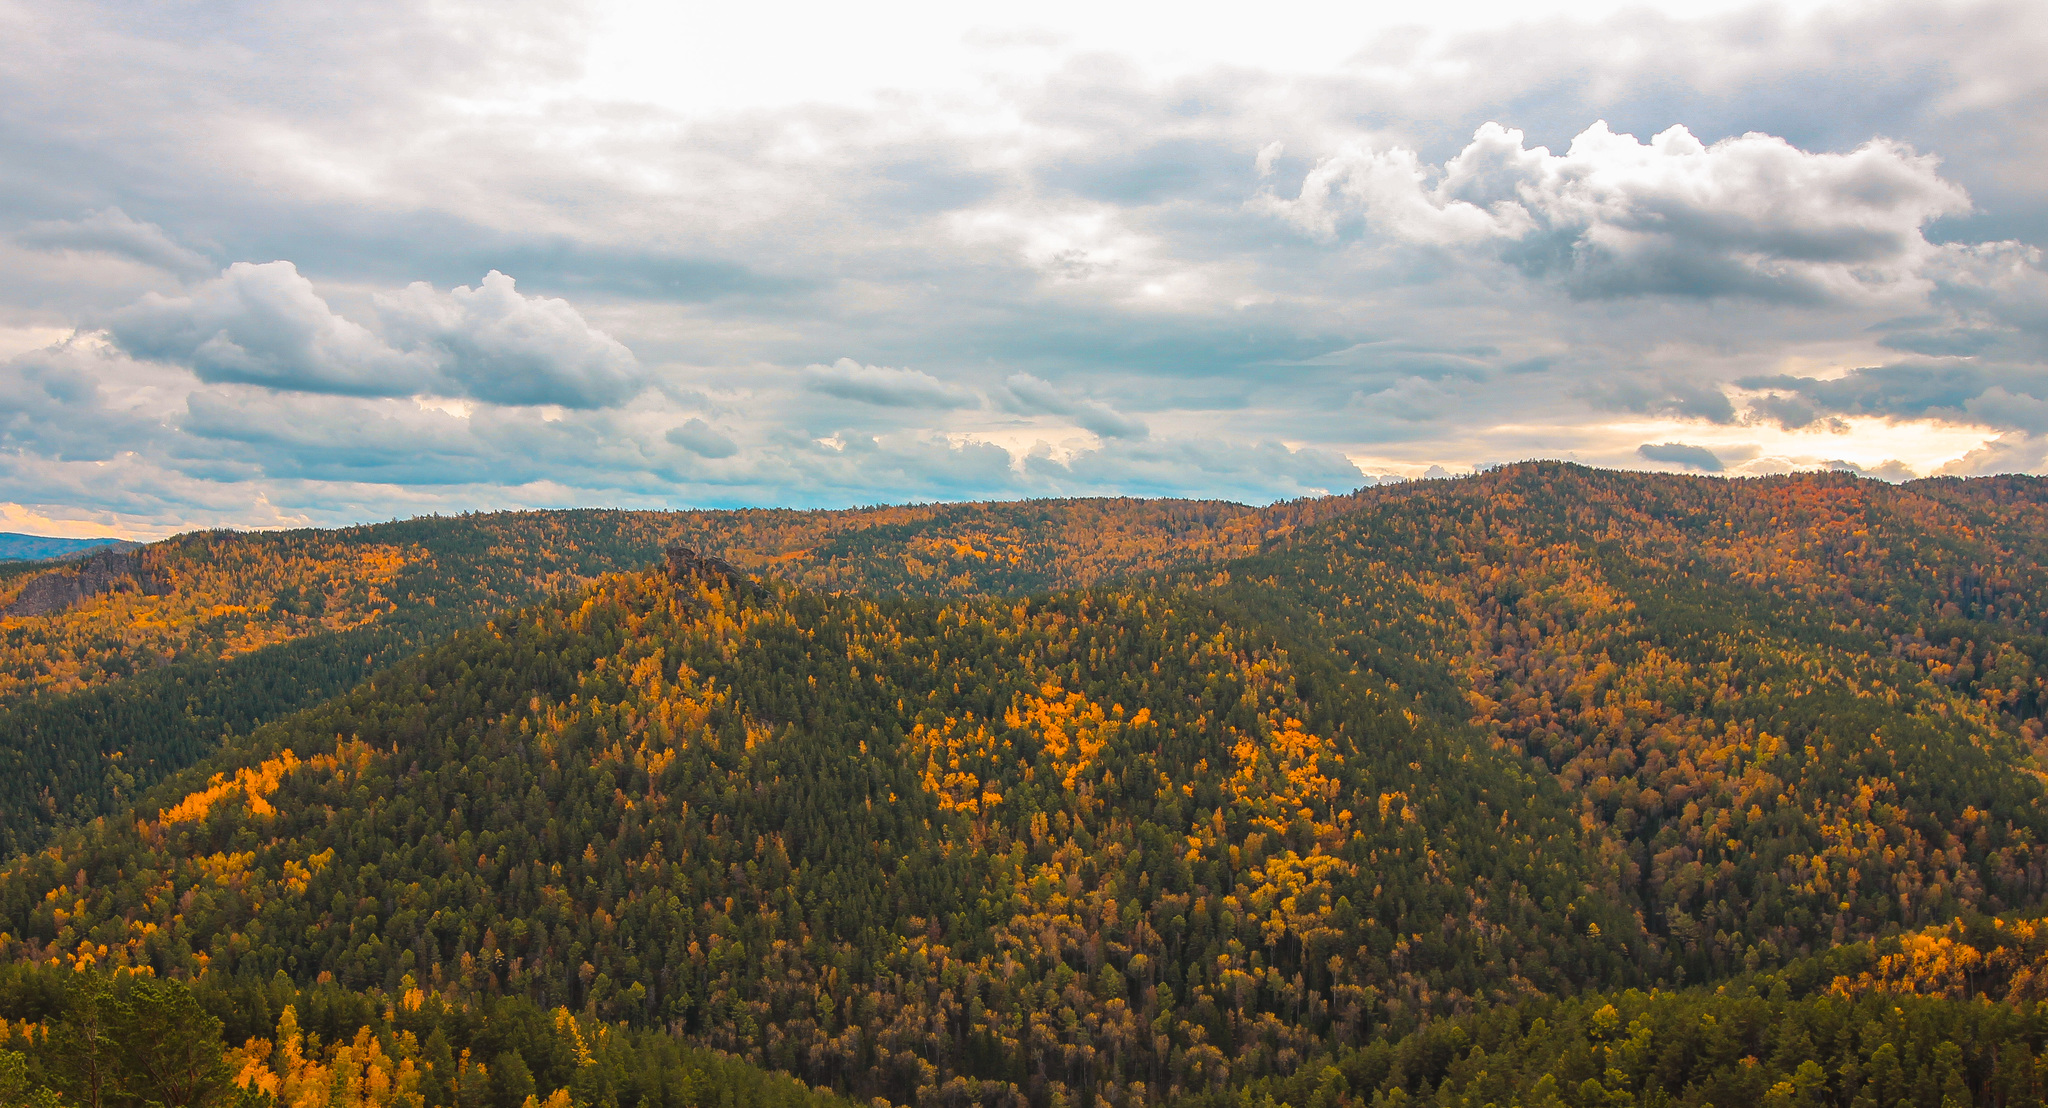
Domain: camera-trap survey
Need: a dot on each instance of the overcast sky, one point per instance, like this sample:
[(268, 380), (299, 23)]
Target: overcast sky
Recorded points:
[(281, 264)]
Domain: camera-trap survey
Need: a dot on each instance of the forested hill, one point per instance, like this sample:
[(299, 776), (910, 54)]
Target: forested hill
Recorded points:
[(144, 670), (1464, 750)]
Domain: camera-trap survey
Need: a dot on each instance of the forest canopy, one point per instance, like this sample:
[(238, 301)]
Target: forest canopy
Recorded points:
[(1544, 784)]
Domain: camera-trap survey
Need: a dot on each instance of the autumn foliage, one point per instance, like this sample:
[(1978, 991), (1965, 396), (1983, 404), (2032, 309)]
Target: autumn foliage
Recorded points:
[(1112, 803)]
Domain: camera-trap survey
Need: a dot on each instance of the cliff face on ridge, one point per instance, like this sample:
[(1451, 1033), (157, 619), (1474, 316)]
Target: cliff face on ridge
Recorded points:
[(96, 573)]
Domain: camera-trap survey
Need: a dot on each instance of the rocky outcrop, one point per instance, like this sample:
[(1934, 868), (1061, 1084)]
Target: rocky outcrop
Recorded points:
[(685, 562), (101, 572)]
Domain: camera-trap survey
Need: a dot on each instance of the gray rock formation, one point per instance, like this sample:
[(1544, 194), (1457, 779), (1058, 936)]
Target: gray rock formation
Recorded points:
[(102, 571), (687, 561)]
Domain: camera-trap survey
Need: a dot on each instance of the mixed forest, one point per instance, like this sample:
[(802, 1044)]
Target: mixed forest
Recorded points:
[(1547, 785)]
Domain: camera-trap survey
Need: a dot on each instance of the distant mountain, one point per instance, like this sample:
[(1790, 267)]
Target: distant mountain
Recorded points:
[(42, 548)]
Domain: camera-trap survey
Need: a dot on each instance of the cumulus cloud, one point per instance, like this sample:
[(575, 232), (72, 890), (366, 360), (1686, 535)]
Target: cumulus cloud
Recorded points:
[(1028, 395), (1682, 454), (886, 387), (1612, 216), (494, 344), (265, 324), (113, 231)]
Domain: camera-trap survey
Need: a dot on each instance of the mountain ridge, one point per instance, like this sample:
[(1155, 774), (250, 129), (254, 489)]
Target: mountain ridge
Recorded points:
[(18, 547), (1468, 751)]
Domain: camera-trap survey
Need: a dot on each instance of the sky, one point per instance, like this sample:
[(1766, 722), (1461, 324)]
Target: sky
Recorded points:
[(293, 264)]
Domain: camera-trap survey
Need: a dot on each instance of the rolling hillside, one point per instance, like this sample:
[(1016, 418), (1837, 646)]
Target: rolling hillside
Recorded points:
[(1240, 801), (207, 635)]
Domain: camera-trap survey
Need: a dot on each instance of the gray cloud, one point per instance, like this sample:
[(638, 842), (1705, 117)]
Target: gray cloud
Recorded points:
[(1172, 170), (1682, 454), (1994, 298), (67, 414), (1893, 391), (2005, 398), (54, 404), (1677, 398), (1028, 395), (1944, 342), (113, 231), (1891, 470), (703, 440), (287, 438), (886, 387)]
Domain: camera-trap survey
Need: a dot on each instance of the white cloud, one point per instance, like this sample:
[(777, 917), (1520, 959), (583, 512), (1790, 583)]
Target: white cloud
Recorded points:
[(1391, 189), (1612, 216), (496, 345), (266, 325)]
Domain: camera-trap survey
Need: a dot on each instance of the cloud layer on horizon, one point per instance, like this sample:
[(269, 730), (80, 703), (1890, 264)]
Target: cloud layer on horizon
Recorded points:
[(322, 286)]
